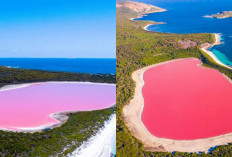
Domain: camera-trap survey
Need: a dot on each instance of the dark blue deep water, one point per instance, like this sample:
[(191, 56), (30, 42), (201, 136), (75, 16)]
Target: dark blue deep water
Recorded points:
[(93, 66), (186, 16)]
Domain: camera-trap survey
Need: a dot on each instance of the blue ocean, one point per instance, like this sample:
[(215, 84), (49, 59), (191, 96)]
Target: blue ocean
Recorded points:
[(186, 16), (91, 66)]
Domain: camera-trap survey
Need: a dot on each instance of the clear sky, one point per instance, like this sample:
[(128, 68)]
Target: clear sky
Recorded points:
[(58, 28)]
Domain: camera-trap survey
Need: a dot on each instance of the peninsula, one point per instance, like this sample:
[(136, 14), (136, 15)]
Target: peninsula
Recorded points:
[(221, 15), (138, 8)]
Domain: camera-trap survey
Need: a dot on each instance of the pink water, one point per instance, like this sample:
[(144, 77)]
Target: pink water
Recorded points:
[(184, 101), (31, 106)]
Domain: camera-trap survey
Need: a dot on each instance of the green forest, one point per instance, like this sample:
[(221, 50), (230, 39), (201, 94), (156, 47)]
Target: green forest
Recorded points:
[(137, 48)]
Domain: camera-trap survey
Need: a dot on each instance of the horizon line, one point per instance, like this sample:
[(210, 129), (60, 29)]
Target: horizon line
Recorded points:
[(52, 58)]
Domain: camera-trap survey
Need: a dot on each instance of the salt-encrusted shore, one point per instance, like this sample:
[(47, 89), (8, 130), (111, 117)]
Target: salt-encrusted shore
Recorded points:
[(22, 85), (60, 117), (132, 116)]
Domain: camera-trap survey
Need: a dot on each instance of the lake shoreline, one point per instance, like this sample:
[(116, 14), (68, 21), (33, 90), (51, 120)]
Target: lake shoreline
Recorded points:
[(132, 116), (60, 117)]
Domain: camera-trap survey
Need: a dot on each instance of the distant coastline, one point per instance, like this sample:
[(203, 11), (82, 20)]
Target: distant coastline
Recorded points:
[(204, 47), (73, 65), (141, 9), (147, 9)]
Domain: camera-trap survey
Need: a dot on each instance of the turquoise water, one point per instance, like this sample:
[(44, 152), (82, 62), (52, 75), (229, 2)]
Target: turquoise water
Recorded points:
[(221, 56), (186, 16), (114, 147), (77, 65)]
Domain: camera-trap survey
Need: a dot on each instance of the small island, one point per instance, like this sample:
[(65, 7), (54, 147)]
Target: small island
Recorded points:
[(221, 15)]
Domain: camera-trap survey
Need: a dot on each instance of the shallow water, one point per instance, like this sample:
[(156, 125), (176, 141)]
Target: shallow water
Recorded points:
[(184, 101), (35, 103), (186, 16)]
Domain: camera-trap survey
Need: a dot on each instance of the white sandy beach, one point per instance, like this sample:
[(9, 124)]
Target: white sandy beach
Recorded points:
[(145, 28), (206, 48), (157, 23), (132, 117), (101, 144), (16, 86)]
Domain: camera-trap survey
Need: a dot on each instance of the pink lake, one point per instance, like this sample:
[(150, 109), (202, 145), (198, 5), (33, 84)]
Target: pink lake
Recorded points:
[(185, 101), (32, 106)]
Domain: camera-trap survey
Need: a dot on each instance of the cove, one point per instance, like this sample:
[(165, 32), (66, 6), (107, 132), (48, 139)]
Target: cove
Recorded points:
[(186, 16)]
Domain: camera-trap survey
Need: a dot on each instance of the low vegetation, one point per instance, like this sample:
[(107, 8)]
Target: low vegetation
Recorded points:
[(137, 48)]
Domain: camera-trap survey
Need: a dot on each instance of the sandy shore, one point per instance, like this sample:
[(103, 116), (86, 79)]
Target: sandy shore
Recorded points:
[(157, 23), (60, 117), (101, 144), (132, 117), (145, 28), (22, 85), (205, 47)]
